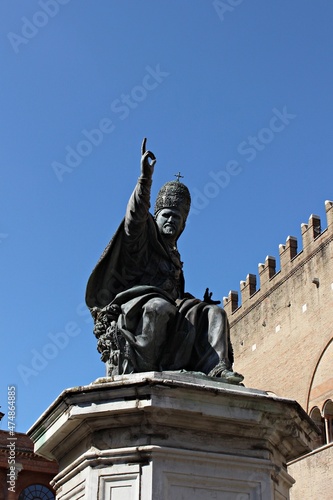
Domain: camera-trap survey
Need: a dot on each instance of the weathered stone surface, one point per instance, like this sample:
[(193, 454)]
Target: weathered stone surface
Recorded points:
[(171, 436)]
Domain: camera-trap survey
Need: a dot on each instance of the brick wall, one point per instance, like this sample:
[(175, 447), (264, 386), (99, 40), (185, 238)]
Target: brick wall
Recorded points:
[(280, 331), (282, 335), (33, 469), (313, 475)]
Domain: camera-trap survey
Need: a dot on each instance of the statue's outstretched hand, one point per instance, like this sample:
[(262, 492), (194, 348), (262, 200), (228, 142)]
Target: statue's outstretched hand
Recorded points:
[(208, 298), (148, 161)]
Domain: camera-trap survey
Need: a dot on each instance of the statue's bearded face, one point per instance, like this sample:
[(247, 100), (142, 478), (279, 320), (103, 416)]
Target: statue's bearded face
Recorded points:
[(170, 223)]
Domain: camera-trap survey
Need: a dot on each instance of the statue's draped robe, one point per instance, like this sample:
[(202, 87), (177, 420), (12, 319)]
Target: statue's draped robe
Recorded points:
[(165, 328)]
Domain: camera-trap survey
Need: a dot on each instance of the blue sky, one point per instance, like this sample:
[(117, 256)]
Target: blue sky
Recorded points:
[(237, 95)]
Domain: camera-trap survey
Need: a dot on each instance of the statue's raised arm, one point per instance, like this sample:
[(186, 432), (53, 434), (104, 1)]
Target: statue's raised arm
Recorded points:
[(137, 211)]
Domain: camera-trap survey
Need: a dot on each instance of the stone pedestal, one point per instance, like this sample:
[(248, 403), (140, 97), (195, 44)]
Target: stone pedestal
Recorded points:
[(171, 436)]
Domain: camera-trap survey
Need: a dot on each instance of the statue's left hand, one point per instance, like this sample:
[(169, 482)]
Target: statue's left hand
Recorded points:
[(208, 298), (148, 161)]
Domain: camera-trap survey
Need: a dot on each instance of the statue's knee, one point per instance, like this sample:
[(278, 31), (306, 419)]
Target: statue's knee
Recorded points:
[(217, 312), (159, 306)]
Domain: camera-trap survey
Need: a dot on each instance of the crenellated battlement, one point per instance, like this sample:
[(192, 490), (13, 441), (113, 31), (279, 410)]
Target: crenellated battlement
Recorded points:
[(313, 240)]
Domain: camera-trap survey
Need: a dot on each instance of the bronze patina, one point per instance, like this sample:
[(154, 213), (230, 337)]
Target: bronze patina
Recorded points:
[(144, 319)]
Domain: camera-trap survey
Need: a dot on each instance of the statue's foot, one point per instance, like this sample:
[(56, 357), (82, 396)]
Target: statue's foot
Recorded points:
[(230, 377)]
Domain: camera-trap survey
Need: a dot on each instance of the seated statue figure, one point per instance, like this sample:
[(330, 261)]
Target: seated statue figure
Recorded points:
[(144, 321)]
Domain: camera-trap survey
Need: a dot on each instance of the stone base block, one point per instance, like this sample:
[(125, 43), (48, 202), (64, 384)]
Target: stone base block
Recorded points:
[(171, 436)]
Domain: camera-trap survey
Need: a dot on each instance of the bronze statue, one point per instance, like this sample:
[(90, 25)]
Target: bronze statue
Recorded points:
[(144, 320)]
